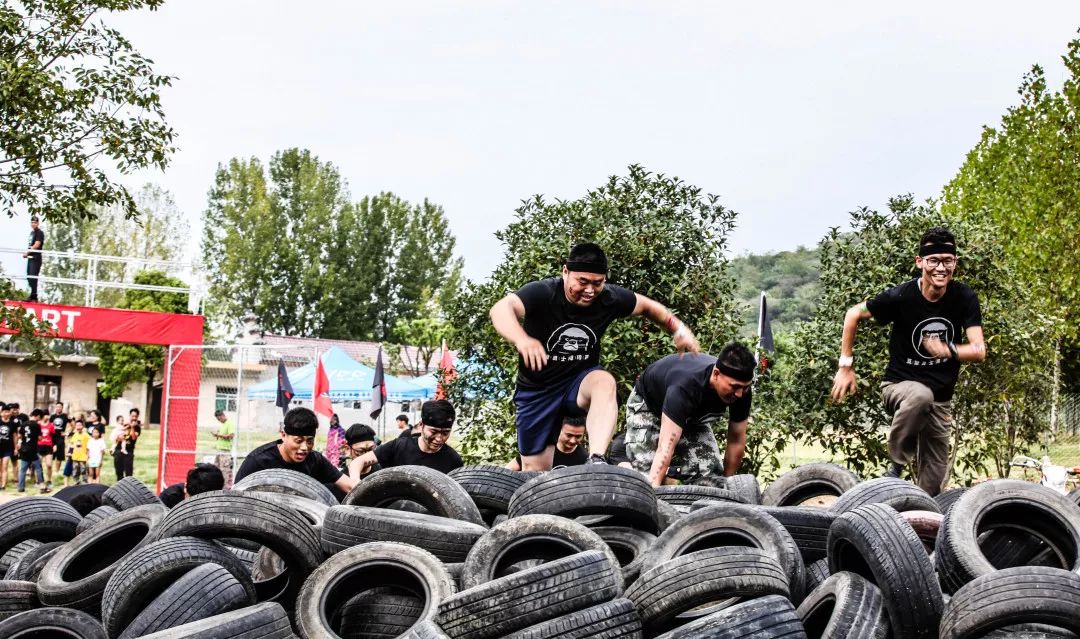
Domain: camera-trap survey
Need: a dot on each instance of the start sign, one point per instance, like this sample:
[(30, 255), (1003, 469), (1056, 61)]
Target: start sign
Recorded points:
[(115, 325)]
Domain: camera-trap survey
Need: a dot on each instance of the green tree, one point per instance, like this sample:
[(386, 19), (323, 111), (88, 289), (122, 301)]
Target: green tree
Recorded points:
[(664, 238), (999, 406), (124, 364), (295, 251), (790, 280), (1023, 177), (159, 232), (78, 104)]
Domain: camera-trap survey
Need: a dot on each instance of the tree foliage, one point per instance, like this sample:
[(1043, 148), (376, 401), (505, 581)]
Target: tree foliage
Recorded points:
[(290, 246), (790, 280), (1023, 177), (77, 103), (123, 364), (160, 232), (999, 406), (664, 238)]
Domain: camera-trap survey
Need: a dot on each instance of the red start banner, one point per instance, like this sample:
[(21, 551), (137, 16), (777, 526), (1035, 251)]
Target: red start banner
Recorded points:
[(176, 453), (114, 325)]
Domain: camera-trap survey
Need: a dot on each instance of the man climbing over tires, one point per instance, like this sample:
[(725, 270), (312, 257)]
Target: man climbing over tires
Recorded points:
[(670, 413), (556, 326), (925, 352), (295, 450)]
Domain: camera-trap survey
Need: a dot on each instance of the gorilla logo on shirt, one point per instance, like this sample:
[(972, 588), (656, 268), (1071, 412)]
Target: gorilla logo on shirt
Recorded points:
[(931, 328), (571, 339)]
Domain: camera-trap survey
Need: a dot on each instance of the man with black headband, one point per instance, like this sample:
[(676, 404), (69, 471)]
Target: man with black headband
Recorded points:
[(556, 325), (428, 449), (296, 451), (670, 413), (925, 351)]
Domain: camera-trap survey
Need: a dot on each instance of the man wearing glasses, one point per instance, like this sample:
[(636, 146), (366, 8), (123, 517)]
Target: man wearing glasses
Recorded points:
[(669, 415), (925, 351), (359, 439), (296, 451), (428, 449)]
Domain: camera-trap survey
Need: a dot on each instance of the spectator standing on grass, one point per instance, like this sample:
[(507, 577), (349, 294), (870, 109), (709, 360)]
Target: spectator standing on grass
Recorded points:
[(335, 441), (26, 442), (33, 257), (201, 479), (7, 444), (405, 430), (295, 450), (223, 443), (46, 445), (95, 455), (925, 352), (60, 420), (119, 447), (78, 447), (428, 449), (131, 436)]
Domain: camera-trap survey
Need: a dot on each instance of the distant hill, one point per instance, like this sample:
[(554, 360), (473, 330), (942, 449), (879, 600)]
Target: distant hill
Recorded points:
[(790, 280)]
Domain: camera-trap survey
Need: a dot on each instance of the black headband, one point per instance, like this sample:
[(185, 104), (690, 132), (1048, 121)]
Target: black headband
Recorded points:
[(936, 249), (599, 268), (735, 373), (294, 430)]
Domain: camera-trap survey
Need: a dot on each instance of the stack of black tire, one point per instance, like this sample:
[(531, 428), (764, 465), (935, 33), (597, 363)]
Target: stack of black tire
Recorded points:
[(590, 551)]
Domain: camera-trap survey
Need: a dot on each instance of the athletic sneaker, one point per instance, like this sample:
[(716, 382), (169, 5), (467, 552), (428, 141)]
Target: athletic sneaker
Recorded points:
[(596, 458), (894, 470)]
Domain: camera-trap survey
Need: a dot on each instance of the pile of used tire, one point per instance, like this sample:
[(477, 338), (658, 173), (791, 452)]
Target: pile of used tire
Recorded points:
[(588, 551)]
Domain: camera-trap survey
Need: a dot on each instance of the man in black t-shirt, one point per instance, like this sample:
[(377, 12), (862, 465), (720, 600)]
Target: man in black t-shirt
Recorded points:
[(670, 413), (568, 448), (404, 429), (26, 441), (556, 326), (202, 478), (33, 257), (925, 351), (296, 451), (428, 449), (7, 444), (60, 421)]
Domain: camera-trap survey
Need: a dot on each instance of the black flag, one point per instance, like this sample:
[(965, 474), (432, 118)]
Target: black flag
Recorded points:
[(284, 387), (378, 387), (765, 339)]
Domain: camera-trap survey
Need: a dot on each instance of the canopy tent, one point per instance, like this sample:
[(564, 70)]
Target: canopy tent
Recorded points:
[(349, 380)]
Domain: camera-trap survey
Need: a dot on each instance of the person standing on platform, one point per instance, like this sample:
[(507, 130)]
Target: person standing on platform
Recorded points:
[(33, 257)]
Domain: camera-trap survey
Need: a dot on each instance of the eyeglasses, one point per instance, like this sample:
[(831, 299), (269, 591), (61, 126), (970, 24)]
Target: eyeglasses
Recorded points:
[(934, 262), (366, 447)]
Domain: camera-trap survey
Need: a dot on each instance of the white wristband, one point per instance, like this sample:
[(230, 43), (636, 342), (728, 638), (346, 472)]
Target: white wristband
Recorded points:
[(846, 362), (679, 332)]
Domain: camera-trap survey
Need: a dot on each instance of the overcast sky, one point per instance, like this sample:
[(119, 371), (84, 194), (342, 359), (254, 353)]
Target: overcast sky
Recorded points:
[(793, 112)]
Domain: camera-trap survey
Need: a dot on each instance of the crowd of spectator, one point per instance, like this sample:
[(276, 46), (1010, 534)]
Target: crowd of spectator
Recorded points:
[(57, 448)]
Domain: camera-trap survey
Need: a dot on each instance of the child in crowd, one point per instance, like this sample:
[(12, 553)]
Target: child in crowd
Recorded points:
[(118, 433), (95, 451), (78, 450)]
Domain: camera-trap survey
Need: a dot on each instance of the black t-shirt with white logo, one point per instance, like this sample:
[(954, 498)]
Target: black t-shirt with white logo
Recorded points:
[(678, 386), (29, 431), (570, 334), (405, 451), (914, 317), (7, 437), (268, 456)]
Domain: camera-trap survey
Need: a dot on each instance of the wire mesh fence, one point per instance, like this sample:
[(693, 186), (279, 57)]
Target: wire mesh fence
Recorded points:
[(235, 390)]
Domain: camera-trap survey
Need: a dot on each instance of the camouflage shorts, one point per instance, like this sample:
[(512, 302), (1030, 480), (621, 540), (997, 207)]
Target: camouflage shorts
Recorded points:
[(696, 453)]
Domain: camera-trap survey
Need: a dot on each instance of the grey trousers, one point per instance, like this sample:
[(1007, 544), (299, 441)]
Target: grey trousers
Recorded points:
[(920, 431)]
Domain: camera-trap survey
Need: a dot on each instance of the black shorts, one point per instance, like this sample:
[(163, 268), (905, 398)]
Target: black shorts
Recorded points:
[(44, 450), (59, 454)]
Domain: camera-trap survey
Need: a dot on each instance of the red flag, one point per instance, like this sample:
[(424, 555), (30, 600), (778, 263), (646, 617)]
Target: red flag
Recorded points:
[(378, 387), (447, 373), (321, 392)]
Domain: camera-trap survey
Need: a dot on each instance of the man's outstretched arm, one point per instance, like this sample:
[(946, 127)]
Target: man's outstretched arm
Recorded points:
[(506, 316), (844, 382), (670, 434), (681, 334)]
